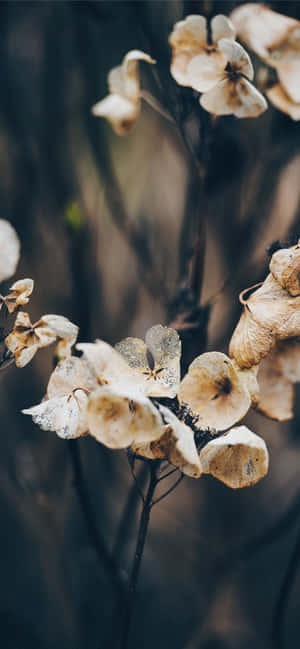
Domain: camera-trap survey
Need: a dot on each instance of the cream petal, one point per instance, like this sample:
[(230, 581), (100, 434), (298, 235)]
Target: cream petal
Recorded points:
[(205, 70), (276, 394), (20, 292), (59, 327), (278, 97), (106, 364), (239, 458), (24, 355), (131, 73), (222, 27), (289, 75), (188, 33), (121, 112), (70, 374), (285, 267), (220, 100), (215, 392), (252, 102), (260, 28), (118, 418), (237, 98), (237, 57), (62, 415), (10, 250), (250, 341)]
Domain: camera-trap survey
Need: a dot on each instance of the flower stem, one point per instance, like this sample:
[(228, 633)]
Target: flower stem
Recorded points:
[(142, 534)]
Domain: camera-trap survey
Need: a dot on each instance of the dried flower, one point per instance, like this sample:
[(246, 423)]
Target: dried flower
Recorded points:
[(119, 418), (27, 338), (234, 94), (276, 39), (176, 444), (18, 296), (277, 374), (216, 391), (285, 268), (63, 410), (196, 62), (239, 458), (122, 106), (10, 250)]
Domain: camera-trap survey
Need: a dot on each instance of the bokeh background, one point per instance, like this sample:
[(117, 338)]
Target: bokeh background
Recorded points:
[(105, 225)]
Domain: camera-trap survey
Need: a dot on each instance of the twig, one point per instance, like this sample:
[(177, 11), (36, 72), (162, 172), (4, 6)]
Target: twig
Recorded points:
[(166, 475), (95, 537), (283, 597), (129, 511), (168, 491)]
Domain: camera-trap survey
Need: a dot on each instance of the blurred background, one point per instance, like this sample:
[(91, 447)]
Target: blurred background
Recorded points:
[(107, 226)]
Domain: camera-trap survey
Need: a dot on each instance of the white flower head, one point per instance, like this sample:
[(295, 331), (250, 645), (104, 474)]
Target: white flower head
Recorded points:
[(122, 106), (239, 458), (234, 94), (26, 338), (196, 62), (19, 295), (9, 250), (63, 410)]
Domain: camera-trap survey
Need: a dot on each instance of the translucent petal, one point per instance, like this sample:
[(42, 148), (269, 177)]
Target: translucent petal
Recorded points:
[(205, 70), (9, 249), (221, 99), (63, 415), (239, 458), (70, 374), (237, 57), (222, 27), (118, 418), (215, 392), (276, 393)]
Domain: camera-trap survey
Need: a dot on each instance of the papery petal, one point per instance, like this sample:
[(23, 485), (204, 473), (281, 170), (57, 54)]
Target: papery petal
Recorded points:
[(276, 393), (215, 392), (285, 267), (130, 71), (165, 346), (278, 97), (24, 355), (59, 327), (239, 458), (288, 354), (20, 292), (237, 57), (222, 27), (63, 415), (289, 76), (221, 99), (121, 112), (118, 419), (70, 374), (9, 250), (234, 97), (187, 39), (250, 341), (252, 102), (205, 70), (106, 364)]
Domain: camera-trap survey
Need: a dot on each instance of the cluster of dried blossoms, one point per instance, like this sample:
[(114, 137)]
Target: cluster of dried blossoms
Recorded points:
[(210, 61)]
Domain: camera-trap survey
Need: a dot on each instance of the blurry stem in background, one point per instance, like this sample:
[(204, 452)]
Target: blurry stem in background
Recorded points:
[(283, 597), (96, 539)]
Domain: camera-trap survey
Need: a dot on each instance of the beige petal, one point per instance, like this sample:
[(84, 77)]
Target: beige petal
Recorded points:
[(288, 354), (23, 355), (131, 73), (176, 444), (250, 341), (215, 392), (10, 250), (222, 27), (187, 39), (121, 112), (106, 364), (289, 76), (285, 267), (70, 374), (118, 419), (205, 70), (282, 101), (237, 57), (19, 296), (64, 415), (59, 327), (239, 458), (276, 394), (237, 98), (221, 99), (252, 102), (260, 28)]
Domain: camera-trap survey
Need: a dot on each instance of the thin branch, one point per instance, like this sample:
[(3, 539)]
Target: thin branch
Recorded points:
[(129, 511), (164, 495), (166, 475)]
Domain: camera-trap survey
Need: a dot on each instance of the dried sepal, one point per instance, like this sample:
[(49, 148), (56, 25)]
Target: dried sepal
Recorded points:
[(238, 459), (176, 444), (156, 362), (277, 374), (122, 106), (27, 338), (9, 250), (19, 295), (215, 391), (196, 62), (285, 268), (118, 418)]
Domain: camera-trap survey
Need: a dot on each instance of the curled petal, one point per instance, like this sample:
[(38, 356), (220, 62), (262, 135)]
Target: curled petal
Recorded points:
[(121, 112), (64, 415), (237, 57), (222, 27), (215, 391), (239, 458), (176, 444), (9, 249), (285, 268), (118, 419), (279, 98)]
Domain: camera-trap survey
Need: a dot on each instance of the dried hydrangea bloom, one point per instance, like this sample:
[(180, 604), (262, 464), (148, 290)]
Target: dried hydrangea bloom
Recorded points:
[(277, 374), (63, 411), (27, 338), (19, 295), (196, 62), (239, 458), (275, 38), (176, 444), (122, 106), (215, 391), (270, 314), (285, 268), (234, 94), (118, 418), (156, 361), (281, 100), (9, 250)]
